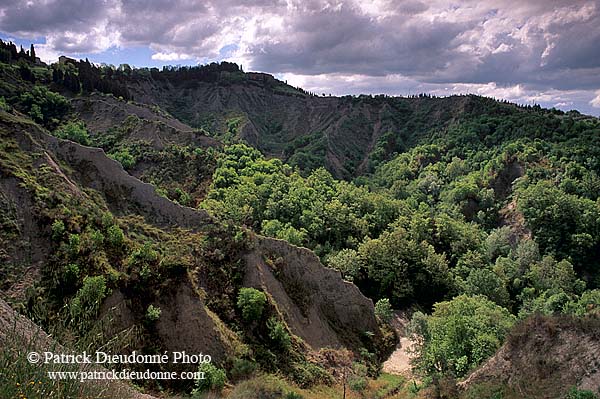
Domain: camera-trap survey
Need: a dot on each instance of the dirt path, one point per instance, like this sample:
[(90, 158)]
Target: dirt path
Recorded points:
[(399, 361)]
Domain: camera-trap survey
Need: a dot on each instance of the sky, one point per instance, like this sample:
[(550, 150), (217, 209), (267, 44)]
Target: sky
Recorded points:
[(527, 51)]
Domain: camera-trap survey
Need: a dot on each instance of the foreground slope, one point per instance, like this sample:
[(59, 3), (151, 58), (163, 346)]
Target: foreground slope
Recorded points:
[(63, 207), (544, 357)]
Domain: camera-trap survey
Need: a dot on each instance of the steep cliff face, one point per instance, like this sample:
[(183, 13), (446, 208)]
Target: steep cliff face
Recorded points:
[(317, 304), (185, 323)]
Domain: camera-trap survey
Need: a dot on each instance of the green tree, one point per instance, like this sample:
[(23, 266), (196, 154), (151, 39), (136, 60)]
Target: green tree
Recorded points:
[(383, 310), (251, 303), (487, 283), (403, 269), (459, 335), (347, 262)]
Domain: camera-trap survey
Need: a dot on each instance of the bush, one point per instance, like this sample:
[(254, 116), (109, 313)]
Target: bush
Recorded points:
[(383, 310), (214, 379), (124, 157), (143, 257), (251, 302), (307, 374), (3, 105), (74, 131), (575, 393), (242, 368), (357, 380), (58, 229), (115, 236), (153, 313), (357, 384), (70, 274), (278, 334), (74, 241), (88, 299)]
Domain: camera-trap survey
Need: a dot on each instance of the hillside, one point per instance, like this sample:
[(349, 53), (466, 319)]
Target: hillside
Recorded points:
[(82, 221), (543, 358), (212, 210), (350, 136)]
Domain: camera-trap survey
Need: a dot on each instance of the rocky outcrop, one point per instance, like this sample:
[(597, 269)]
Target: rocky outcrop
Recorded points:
[(318, 305)]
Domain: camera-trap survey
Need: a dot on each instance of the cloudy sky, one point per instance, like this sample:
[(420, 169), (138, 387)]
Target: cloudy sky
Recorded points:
[(542, 51)]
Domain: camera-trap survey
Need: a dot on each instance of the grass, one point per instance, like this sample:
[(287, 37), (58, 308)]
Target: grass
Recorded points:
[(387, 386), (21, 379)]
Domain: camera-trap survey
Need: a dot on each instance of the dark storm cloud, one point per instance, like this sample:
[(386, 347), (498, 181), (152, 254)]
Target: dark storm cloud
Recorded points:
[(343, 39), (41, 17), (536, 44)]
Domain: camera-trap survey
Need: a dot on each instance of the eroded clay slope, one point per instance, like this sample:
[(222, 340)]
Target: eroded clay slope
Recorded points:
[(545, 357), (317, 304)]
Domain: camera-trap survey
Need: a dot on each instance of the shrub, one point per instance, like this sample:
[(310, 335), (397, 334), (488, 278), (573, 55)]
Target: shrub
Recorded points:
[(96, 238), (153, 313), (3, 105), (88, 299), (242, 368), (74, 242), (278, 334), (251, 302), (214, 379), (383, 310), (58, 229), (114, 236), (107, 220), (357, 380), (143, 257), (74, 131), (124, 157), (307, 374), (71, 274), (357, 384), (575, 393)]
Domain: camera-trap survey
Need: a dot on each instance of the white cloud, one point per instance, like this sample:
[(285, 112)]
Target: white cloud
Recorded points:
[(46, 53), (171, 57), (596, 100)]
